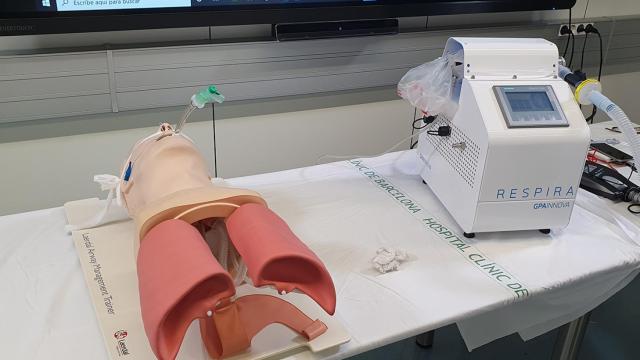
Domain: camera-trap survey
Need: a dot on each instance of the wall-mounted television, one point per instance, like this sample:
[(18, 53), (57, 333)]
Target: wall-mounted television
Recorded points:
[(19, 17)]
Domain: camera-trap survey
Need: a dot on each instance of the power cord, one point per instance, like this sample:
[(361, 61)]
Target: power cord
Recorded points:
[(348, 157), (426, 121), (633, 194), (580, 29), (413, 129), (215, 150), (566, 31), (444, 130), (573, 43), (590, 29), (572, 40), (631, 209)]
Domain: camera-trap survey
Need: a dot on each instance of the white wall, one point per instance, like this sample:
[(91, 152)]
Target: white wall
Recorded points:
[(620, 88), (55, 168), (598, 8), (258, 144), (48, 172), (51, 171)]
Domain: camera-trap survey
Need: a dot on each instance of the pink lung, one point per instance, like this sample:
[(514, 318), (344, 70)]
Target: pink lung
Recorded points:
[(165, 186), (275, 256), (179, 280)]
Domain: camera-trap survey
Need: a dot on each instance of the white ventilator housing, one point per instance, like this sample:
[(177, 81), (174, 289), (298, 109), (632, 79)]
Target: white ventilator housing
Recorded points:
[(518, 140)]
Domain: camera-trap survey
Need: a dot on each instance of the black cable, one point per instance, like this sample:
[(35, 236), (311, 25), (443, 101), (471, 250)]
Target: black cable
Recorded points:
[(566, 47), (573, 48), (584, 45), (601, 56), (426, 121), (635, 212), (215, 150), (443, 130), (631, 206), (573, 40), (413, 129), (415, 112), (424, 125), (592, 29)]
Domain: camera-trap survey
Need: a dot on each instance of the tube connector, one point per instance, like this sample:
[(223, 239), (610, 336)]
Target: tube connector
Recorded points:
[(620, 119), (585, 89), (206, 96), (571, 77), (203, 97)]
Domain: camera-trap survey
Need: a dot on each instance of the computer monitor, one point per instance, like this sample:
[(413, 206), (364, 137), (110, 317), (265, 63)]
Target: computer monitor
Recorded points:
[(19, 17)]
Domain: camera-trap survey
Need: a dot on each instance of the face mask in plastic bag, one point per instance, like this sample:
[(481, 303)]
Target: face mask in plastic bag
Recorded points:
[(429, 87)]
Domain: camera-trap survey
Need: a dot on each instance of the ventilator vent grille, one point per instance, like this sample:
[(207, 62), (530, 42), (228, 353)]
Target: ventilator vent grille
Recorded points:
[(462, 158)]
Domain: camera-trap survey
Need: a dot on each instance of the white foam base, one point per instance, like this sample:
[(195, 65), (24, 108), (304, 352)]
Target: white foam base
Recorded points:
[(106, 256)]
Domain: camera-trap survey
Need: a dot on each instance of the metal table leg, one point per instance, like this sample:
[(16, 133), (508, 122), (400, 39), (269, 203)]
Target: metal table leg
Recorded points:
[(569, 339), (425, 340)]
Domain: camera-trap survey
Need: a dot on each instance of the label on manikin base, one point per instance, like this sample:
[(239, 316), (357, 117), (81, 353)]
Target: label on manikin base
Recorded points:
[(107, 259)]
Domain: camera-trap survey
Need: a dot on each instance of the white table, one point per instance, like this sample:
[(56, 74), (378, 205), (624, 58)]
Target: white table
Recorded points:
[(344, 216), (570, 335)]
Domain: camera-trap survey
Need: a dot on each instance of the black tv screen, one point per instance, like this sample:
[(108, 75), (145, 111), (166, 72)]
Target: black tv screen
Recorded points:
[(19, 17)]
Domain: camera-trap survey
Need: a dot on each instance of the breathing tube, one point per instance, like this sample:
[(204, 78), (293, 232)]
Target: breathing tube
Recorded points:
[(203, 97), (588, 92)]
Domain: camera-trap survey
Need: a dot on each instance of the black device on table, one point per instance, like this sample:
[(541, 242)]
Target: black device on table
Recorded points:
[(617, 156), (609, 183)]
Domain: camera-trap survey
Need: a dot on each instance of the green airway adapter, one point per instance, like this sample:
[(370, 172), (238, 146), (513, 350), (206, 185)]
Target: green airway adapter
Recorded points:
[(198, 101), (205, 96)]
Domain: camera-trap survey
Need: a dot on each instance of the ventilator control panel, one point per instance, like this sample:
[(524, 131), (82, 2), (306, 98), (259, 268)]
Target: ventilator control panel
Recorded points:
[(530, 106)]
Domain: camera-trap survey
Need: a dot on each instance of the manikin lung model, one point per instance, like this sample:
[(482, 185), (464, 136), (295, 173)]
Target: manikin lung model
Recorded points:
[(168, 192)]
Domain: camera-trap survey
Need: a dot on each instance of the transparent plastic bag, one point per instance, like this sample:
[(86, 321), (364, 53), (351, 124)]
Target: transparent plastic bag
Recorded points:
[(216, 236), (429, 87)]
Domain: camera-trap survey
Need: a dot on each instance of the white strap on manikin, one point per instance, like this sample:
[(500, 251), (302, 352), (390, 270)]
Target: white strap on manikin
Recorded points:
[(107, 182), (112, 182)]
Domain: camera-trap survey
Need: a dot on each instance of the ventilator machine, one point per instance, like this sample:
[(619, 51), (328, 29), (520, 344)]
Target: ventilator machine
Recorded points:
[(505, 147)]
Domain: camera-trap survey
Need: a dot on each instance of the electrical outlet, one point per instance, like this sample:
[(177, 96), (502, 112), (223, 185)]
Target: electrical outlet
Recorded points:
[(574, 29)]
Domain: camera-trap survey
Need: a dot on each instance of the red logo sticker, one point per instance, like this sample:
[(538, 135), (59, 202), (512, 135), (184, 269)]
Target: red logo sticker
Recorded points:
[(120, 334)]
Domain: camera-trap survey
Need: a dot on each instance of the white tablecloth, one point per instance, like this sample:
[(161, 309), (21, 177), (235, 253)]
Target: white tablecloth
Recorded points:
[(344, 215)]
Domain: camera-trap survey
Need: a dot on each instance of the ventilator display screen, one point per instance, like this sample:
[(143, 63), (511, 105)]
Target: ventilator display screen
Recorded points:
[(529, 101), (527, 106)]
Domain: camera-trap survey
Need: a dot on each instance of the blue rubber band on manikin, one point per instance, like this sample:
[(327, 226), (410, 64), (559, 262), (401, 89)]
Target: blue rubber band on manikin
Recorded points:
[(127, 173)]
